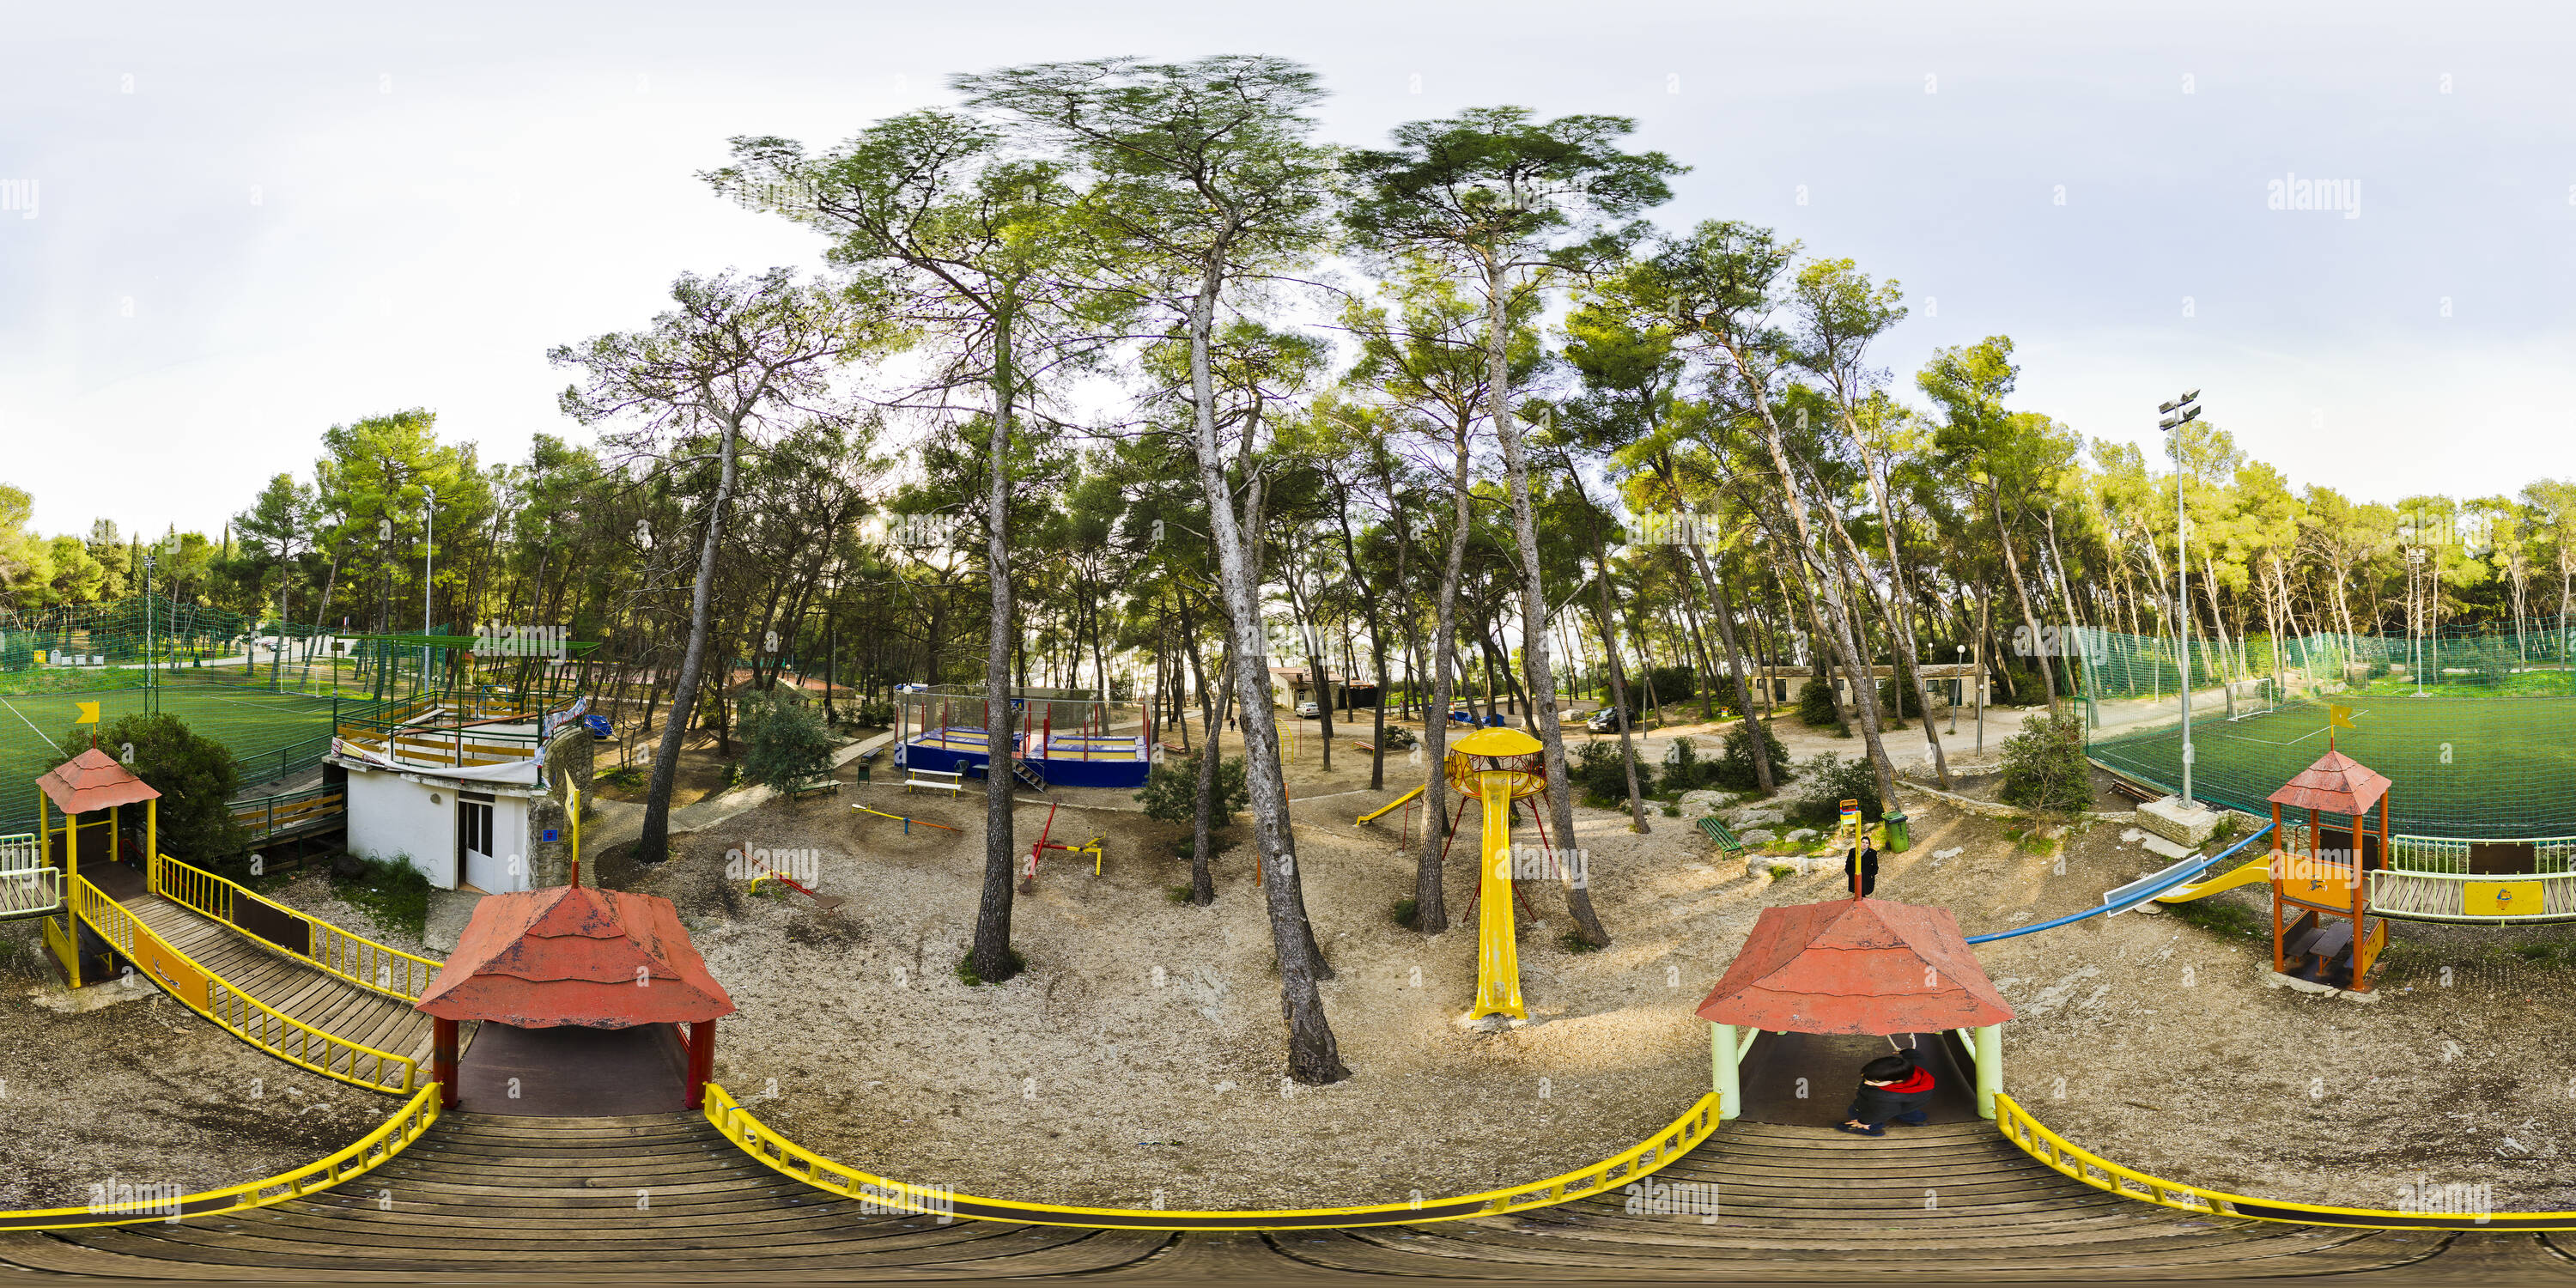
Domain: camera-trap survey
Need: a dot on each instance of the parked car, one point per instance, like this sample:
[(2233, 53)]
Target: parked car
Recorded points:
[(1605, 720), (1308, 711)]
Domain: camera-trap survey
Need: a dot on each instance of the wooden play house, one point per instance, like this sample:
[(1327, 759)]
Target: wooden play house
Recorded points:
[(2322, 928)]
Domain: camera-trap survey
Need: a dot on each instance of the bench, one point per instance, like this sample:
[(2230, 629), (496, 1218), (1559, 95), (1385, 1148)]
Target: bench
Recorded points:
[(812, 787), (937, 780), (1717, 831)]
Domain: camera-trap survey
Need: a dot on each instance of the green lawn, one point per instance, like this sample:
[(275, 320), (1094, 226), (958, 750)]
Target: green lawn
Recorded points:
[(2490, 767), (264, 730)]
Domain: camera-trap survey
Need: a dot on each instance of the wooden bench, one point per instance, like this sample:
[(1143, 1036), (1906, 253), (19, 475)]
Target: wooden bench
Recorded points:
[(1717, 831), (937, 780), (813, 787)]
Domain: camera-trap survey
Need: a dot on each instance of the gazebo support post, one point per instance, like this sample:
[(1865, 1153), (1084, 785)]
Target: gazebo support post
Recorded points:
[(1722, 1072), (702, 1063), (442, 1065), (1990, 1068)]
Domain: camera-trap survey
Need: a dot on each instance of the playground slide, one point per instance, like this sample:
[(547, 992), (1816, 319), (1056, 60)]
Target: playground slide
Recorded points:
[(2141, 896), (1393, 805), (1498, 960), (2258, 870)]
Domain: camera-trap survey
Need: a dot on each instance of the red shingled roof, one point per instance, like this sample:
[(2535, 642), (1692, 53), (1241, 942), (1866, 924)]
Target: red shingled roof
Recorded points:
[(1855, 966), (570, 955), (93, 780), (2337, 784)]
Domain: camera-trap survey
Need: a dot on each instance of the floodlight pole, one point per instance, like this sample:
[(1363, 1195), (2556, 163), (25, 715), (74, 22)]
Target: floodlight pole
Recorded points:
[(151, 680), (428, 553), (2180, 412)]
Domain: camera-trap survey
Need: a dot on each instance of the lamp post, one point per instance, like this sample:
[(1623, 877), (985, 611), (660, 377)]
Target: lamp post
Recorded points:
[(2178, 413), (150, 677), (2416, 651)]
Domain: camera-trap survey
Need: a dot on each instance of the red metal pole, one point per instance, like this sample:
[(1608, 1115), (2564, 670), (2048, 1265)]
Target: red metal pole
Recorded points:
[(442, 1065), (702, 1063)]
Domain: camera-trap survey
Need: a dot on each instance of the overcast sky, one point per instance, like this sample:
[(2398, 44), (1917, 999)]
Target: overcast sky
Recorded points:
[(246, 229)]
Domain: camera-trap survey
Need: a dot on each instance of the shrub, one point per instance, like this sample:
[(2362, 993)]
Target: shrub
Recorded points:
[(1171, 790), (623, 776), (195, 775), (1733, 768), (1816, 706), (2044, 767), (1600, 773), (2378, 670), (1831, 780), (1683, 769), (875, 715), (1398, 738), (1898, 699), (784, 741), (1407, 912), (1782, 872)]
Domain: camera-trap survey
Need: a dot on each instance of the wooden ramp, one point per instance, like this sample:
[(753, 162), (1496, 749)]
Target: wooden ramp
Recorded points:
[(296, 989), (664, 1198)]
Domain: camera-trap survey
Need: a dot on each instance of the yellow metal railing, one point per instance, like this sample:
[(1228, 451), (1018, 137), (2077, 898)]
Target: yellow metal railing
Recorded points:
[(332, 950), (2035, 1139), (244, 1016), (370, 1151), (59, 939), (762, 1142)]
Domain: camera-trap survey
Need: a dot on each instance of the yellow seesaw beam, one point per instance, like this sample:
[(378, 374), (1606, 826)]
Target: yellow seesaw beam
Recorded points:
[(2258, 870), (1393, 805)]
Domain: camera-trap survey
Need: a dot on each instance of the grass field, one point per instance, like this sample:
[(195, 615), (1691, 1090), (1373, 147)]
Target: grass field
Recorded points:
[(266, 732), (2462, 767)]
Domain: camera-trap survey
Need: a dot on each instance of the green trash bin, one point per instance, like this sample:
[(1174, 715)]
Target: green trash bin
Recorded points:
[(1897, 839)]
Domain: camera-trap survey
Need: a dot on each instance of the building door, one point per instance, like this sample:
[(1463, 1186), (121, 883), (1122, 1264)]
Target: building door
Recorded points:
[(475, 859)]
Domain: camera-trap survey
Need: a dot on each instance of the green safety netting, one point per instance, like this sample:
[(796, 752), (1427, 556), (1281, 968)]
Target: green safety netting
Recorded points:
[(2469, 723)]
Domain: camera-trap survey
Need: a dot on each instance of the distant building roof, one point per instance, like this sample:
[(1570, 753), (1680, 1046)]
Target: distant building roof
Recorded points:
[(571, 955), (92, 780)]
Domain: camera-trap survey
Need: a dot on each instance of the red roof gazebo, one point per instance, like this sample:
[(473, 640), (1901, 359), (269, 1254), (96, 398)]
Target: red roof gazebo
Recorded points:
[(1855, 966), (2329, 880), (576, 956), (85, 784)]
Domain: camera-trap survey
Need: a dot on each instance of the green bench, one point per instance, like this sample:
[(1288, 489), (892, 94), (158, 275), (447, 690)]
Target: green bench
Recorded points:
[(1717, 831)]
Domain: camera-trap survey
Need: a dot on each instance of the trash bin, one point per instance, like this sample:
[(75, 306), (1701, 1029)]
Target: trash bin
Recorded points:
[(1897, 840)]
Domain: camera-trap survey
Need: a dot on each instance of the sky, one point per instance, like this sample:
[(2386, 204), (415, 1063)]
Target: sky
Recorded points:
[(222, 234)]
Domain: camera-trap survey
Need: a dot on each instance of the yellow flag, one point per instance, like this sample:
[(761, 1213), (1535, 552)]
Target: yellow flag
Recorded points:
[(88, 713), (2340, 717)]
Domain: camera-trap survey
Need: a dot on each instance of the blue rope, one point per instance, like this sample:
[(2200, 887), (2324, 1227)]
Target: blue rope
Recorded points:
[(2178, 879)]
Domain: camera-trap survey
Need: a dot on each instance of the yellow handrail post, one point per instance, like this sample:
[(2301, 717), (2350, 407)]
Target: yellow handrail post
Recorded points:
[(71, 883)]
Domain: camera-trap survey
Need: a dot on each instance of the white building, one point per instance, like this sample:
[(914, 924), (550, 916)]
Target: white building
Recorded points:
[(475, 802)]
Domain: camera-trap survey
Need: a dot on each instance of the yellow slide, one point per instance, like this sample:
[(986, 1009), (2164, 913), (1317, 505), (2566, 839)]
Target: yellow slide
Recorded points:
[(1393, 805), (1498, 957), (2258, 870)]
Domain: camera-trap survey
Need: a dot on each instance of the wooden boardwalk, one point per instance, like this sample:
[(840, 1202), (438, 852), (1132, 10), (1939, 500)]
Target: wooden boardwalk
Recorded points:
[(294, 988), (665, 1198)]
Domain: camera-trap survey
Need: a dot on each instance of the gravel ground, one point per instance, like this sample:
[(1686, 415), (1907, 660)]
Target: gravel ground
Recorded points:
[(1138, 1058)]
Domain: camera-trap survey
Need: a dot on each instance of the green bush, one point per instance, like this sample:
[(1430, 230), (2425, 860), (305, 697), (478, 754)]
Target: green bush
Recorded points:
[(1683, 770), (1898, 699), (1831, 780), (1171, 790), (1733, 768), (1406, 912), (784, 741), (2378, 670), (875, 715), (1816, 706), (1600, 773), (195, 775), (2044, 767), (623, 776)]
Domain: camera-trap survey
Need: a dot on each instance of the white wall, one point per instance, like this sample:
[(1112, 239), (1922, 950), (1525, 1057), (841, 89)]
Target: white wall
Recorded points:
[(391, 816)]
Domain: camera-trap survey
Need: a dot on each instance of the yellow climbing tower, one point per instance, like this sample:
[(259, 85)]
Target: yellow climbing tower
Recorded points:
[(1496, 767)]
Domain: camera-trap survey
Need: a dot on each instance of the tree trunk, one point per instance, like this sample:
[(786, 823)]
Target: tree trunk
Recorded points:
[(1314, 1057), (654, 845), (1430, 908), (992, 947)]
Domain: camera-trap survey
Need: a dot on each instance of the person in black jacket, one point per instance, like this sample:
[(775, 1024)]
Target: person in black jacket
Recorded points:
[(1864, 870), (1892, 1089)]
